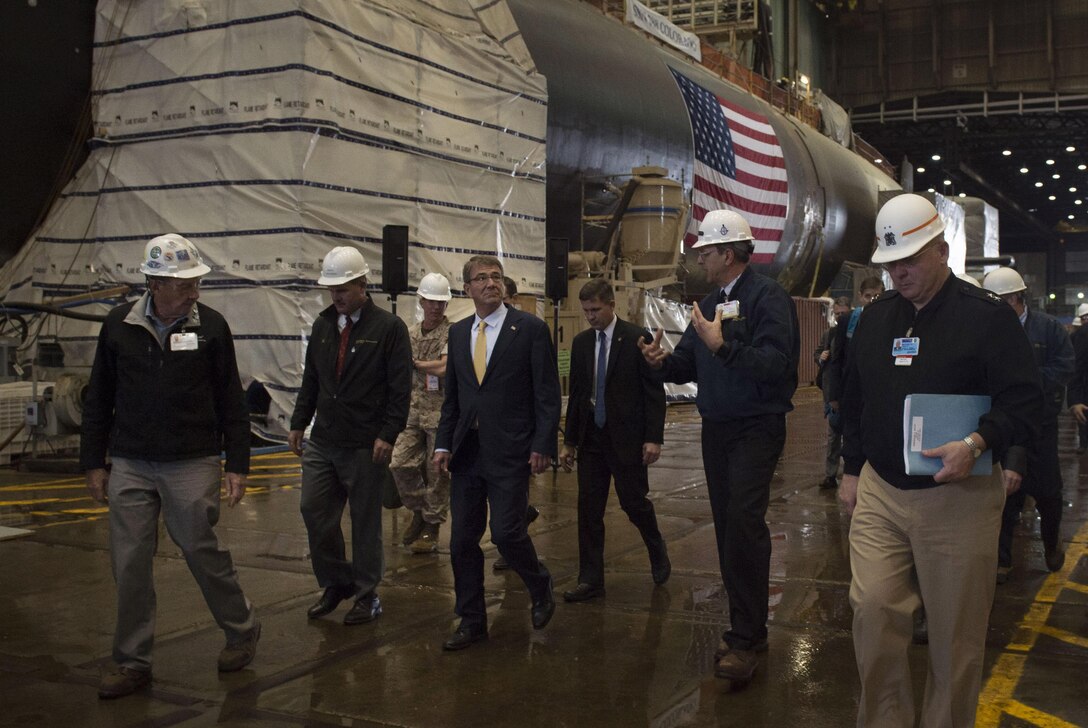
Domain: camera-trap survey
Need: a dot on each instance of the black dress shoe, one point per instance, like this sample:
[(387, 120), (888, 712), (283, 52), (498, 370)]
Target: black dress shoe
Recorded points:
[(660, 566), (329, 600), (583, 593), (366, 609), (544, 609), (463, 637), (531, 513)]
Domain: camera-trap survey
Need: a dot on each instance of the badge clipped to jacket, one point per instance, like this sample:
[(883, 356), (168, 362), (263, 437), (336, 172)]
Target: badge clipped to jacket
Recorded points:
[(185, 341), (904, 350), (729, 309)]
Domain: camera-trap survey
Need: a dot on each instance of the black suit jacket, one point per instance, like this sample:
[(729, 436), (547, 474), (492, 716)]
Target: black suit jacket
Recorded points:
[(516, 406), (634, 402)]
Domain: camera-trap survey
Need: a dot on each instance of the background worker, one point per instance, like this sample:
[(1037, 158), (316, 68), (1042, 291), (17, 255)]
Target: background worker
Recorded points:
[(1056, 364), (822, 356), (424, 490), (868, 290), (615, 424), (358, 381), (1077, 395), (164, 399)]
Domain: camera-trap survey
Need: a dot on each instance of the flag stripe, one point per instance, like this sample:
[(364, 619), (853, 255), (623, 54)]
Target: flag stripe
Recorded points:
[(743, 204), (739, 165), (764, 229), (754, 118)]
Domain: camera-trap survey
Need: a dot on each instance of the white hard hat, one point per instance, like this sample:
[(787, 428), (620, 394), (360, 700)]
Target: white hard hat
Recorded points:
[(1003, 281), (1082, 310), (723, 226), (435, 287), (970, 279), (903, 227), (341, 265), (172, 256)]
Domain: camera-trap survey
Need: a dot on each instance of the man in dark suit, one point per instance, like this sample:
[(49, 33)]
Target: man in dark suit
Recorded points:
[(499, 424), (616, 423)]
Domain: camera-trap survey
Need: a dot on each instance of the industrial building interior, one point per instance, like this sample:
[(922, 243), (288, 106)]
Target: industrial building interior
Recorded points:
[(537, 130)]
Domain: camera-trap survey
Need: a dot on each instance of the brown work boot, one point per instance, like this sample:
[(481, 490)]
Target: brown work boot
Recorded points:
[(427, 543), (123, 681), (736, 665), (239, 654)]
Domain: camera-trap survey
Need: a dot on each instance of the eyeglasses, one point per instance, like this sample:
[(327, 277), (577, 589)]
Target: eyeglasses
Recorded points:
[(703, 253), (484, 278)]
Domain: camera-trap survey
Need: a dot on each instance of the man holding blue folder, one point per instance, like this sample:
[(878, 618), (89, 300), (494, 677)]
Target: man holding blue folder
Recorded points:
[(932, 334)]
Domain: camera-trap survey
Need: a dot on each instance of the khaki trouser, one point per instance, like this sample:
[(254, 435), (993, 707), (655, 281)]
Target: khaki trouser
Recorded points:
[(947, 534), (420, 484), (186, 492)]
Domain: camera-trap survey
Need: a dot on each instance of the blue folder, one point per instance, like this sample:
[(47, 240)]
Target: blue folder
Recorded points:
[(931, 420)]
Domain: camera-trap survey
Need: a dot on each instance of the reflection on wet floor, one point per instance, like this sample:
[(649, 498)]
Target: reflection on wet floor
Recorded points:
[(640, 656)]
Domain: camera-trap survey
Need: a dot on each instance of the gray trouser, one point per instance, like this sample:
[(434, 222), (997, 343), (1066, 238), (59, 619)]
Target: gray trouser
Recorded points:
[(187, 494), (331, 477)]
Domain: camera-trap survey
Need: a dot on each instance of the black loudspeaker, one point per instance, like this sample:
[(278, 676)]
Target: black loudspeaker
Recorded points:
[(555, 270), (395, 259)]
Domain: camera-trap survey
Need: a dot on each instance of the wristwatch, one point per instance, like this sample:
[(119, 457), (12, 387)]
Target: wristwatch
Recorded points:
[(973, 446)]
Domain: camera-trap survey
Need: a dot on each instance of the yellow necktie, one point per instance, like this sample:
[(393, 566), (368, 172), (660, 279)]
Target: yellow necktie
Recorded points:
[(479, 353)]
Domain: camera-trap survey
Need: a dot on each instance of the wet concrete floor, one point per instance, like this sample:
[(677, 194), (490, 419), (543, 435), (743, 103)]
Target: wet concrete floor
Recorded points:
[(642, 656)]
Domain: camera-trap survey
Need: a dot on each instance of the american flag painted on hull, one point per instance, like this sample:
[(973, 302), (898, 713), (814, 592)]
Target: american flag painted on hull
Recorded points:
[(738, 166)]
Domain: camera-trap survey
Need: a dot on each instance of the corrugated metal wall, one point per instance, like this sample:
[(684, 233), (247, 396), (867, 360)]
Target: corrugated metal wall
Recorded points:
[(812, 317), (897, 49)]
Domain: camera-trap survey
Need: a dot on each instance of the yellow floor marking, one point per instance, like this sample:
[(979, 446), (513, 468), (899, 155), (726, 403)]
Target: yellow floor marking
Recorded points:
[(1064, 636), (67, 482), (29, 502), (1035, 717), (996, 697), (1082, 588), (25, 488)]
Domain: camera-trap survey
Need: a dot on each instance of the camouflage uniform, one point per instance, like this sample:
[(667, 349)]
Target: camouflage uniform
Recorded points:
[(422, 487)]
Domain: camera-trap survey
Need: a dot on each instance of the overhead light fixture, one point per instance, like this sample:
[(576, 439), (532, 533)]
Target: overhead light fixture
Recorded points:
[(963, 194), (1070, 217), (1052, 198), (920, 170), (1078, 202), (936, 157), (947, 182), (932, 190), (1080, 294), (1056, 176), (1070, 149), (1023, 170), (1072, 189), (1007, 152), (1052, 296), (878, 160), (1050, 161), (1038, 184), (1082, 167)]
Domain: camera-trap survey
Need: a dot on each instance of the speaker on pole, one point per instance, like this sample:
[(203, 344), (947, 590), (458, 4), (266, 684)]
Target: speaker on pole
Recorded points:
[(555, 271), (395, 259)]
